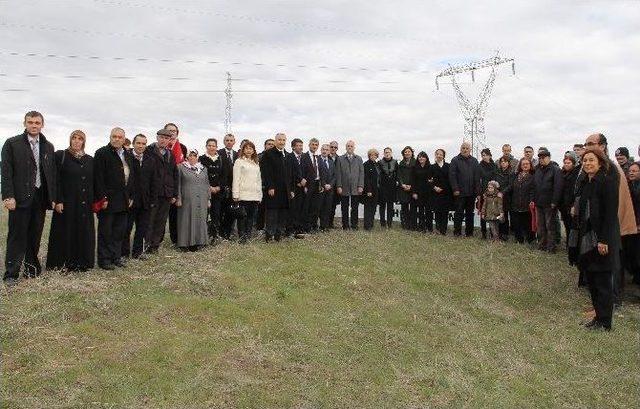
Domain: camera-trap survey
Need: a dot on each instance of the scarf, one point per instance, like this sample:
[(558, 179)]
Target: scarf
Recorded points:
[(197, 168)]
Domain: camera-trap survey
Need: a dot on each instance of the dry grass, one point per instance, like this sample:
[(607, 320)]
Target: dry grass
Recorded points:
[(380, 319)]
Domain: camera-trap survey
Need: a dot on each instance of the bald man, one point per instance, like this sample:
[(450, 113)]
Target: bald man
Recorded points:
[(113, 184), (349, 185), (464, 176)]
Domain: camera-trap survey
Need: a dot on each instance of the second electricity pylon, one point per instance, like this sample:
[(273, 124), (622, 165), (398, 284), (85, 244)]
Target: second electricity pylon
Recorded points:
[(474, 113), (227, 109)]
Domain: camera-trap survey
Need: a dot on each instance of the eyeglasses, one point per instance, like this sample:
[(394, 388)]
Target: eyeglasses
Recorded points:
[(591, 144)]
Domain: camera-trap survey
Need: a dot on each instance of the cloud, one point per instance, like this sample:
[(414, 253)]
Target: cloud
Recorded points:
[(575, 62)]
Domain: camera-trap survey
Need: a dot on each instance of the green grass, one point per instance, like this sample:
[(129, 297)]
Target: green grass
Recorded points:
[(380, 319)]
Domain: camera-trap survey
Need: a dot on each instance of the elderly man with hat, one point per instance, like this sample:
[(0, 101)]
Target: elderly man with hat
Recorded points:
[(167, 189), (548, 192)]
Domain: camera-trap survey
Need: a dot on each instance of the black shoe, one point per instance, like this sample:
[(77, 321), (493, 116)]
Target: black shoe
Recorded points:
[(141, 256), (299, 236), (108, 267), (10, 281), (120, 263), (591, 323), (152, 250)]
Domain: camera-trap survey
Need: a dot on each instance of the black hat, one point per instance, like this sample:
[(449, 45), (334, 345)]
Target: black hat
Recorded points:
[(543, 152), (622, 151), (164, 132)]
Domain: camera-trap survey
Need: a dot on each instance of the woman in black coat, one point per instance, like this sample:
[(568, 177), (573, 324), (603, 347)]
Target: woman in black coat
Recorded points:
[(388, 186), (569, 176), (488, 170), (72, 237), (405, 182), (422, 192), (503, 177), (520, 194), (442, 197), (371, 188), (597, 219), (217, 180)]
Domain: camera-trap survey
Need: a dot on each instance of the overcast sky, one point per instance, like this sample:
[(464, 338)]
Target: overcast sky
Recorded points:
[(96, 64)]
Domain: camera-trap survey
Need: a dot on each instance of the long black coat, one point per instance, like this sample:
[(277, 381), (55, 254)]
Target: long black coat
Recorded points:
[(388, 180), (602, 218), (146, 183), (521, 191), (568, 189), (504, 179), (276, 174), (548, 185), (72, 236), (443, 201), (488, 171), (109, 179), (422, 184), (464, 175), (167, 172), (371, 182), (405, 177), (19, 170)]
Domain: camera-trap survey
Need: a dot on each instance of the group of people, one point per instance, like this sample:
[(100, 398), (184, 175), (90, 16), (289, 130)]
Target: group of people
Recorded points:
[(136, 186)]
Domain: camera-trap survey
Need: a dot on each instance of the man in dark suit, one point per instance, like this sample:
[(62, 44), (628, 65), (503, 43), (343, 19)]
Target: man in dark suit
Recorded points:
[(173, 210), (228, 157), (277, 181), (28, 189), (296, 210), (167, 175), (268, 144), (113, 185), (327, 170), (312, 175), (333, 155), (144, 196)]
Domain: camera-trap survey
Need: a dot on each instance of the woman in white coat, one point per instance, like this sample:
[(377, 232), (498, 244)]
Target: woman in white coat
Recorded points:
[(246, 189)]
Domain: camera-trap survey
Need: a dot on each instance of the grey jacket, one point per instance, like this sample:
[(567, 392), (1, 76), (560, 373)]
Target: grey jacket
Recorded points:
[(349, 174)]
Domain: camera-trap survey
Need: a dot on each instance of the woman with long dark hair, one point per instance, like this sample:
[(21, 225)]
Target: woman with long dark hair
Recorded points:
[(422, 192), (520, 194), (246, 189), (72, 244), (596, 212), (405, 182)]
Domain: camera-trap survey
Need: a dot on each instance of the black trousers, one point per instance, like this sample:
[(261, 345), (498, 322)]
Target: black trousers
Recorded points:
[(349, 208), (327, 209), (260, 215), (140, 217), (547, 223), (312, 205), (370, 205), (245, 224), (464, 206), (631, 255), (275, 222), (111, 230), (601, 289), (567, 221), (227, 219), (504, 227), (336, 199), (297, 217), (386, 213), (442, 222), (157, 224), (521, 226), (408, 215), (173, 223), (23, 238), (425, 218), (215, 216)]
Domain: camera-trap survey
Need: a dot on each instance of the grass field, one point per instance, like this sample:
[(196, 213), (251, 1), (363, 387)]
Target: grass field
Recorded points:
[(380, 319)]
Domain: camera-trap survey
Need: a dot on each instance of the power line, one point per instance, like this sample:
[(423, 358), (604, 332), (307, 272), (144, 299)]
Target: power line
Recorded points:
[(202, 62), (221, 91), (185, 40)]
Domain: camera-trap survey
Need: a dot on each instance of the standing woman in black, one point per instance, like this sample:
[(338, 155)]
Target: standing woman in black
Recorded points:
[(597, 222), (570, 171), (405, 183), (442, 196), (520, 194), (72, 242), (371, 188), (422, 192), (504, 178), (488, 171), (388, 187), (212, 161)]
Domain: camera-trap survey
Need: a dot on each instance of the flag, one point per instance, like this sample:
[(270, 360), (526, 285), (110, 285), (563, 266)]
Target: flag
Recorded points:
[(176, 150)]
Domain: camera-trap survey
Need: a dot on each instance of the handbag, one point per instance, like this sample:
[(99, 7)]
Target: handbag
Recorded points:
[(237, 211)]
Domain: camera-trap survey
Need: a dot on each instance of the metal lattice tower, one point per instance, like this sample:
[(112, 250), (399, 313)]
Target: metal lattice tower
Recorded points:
[(473, 114), (227, 110)]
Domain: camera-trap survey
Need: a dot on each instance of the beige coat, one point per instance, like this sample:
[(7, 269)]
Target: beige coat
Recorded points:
[(247, 181), (626, 216)]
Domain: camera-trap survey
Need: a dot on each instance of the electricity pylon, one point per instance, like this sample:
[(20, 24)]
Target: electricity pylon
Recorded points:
[(474, 114), (227, 110)]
